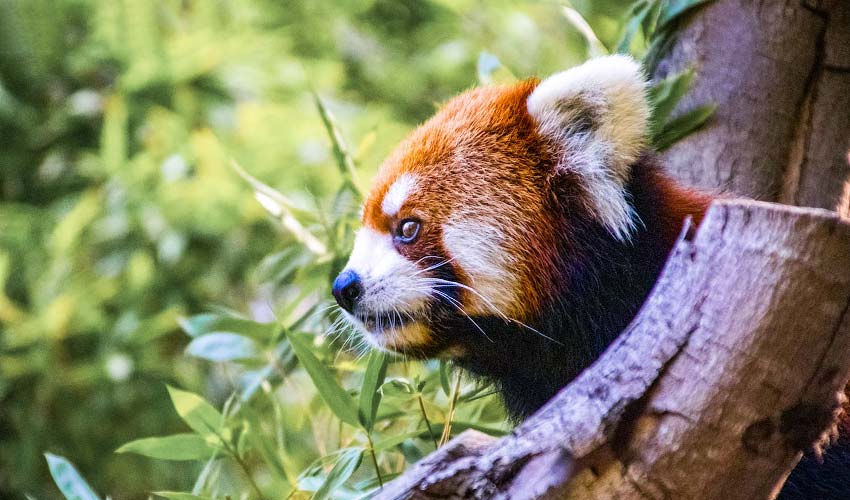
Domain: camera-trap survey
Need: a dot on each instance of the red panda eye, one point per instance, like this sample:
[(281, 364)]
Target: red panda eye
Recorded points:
[(408, 230)]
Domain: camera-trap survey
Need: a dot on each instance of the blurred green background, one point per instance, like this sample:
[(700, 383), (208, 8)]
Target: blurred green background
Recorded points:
[(120, 212)]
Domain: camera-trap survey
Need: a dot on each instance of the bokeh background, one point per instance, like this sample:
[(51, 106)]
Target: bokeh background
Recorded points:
[(120, 212)]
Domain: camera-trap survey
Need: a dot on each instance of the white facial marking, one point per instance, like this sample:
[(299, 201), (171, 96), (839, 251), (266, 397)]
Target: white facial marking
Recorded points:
[(397, 194), (613, 91), (478, 248), (390, 281), (396, 337), (390, 285)]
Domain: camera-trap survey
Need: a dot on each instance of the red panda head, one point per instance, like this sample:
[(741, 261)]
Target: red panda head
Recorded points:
[(470, 216)]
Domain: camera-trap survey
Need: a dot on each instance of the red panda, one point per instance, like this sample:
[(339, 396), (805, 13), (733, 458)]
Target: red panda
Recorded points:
[(518, 231)]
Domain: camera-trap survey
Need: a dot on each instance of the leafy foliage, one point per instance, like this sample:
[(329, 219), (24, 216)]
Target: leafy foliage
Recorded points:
[(69, 481), (125, 216)]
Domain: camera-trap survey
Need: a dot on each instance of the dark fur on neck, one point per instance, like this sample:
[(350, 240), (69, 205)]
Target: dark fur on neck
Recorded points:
[(605, 281)]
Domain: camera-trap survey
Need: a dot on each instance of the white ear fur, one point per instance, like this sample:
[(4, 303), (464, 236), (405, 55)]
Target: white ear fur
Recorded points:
[(598, 112)]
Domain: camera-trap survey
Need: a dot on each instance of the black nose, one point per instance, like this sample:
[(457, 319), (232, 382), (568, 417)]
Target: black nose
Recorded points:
[(347, 289)]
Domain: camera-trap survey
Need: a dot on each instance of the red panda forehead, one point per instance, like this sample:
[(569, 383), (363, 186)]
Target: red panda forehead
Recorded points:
[(472, 132)]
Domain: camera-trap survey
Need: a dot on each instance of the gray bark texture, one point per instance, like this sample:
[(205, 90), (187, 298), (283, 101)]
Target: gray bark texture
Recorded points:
[(738, 361), (779, 72), (734, 366)]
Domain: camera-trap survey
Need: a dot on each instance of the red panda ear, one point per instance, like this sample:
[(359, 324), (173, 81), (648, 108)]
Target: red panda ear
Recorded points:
[(598, 114)]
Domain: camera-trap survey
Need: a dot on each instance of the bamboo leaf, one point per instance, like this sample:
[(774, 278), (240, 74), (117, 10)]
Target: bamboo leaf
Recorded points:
[(262, 445), (207, 323), (174, 447), (684, 125), (595, 47), (338, 400), (370, 396), (345, 466), (179, 495), (197, 325), (445, 374), (677, 8), (281, 207), (222, 346), (68, 480), (460, 426), (344, 160), (393, 441), (199, 415), (666, 94), (636, 18)]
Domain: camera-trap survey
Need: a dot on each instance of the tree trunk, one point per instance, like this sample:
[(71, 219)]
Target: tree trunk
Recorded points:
[(734, 365), (779, 72)]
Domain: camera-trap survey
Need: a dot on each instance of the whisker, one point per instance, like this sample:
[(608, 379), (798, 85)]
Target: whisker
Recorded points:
[(459, 307), (443, 283), (431, 268)]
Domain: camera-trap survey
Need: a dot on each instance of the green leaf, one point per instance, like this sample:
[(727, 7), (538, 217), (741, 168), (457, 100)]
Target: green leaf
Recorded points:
[(458, 427), (595, 47), (222, 346), (263, 445), (201, 324), (370, 397), (70, 482), (650, 23), (178, 495), (174, 447), (283, 266), (304, 315), (393, 441), (398, 390), (369, 485), (344, 160), (337, 399), (251, 380), (676, 8), (445, 374), (281, 208), (196, 412), (666, 94), (637, 15), (345, 466), (683, 125)]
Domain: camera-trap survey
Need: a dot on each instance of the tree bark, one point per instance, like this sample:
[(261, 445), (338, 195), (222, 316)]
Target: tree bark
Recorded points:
[(779, 72), (734, 365)]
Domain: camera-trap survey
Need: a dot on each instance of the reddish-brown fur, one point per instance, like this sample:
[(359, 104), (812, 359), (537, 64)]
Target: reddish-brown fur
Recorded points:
[(483, 139)]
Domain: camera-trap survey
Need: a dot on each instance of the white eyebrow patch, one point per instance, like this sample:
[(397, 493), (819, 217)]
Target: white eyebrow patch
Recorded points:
[(397, 194)]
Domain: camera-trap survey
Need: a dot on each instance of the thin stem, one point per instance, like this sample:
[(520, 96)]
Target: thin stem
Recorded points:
[(427, 422), (235, 454), (375, 460), (247, 473), (447, 428)]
